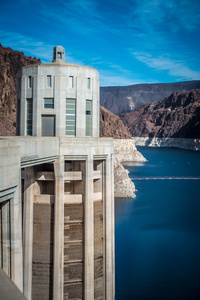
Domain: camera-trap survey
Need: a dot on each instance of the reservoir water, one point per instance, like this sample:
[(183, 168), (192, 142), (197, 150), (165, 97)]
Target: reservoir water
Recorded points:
[(157, 235)]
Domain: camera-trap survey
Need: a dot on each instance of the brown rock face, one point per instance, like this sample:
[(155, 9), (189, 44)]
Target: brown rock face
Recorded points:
[(123, 99), (10, 62), (177, 116), (8, 125), (112, 126)]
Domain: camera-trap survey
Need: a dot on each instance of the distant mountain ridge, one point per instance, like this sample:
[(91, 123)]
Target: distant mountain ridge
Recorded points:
[(122, 99), (177, 116)]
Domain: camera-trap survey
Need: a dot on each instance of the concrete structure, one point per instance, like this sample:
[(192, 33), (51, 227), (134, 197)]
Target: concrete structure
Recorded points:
[(58, 190), (58, 99)]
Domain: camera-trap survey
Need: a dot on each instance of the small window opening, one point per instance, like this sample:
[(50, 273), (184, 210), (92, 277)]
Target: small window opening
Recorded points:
[(48, 103), (49, 80), (29, 81), (88, 83), (29, 116), (70, 125), (59, 54), (71, 81), (88, 117)]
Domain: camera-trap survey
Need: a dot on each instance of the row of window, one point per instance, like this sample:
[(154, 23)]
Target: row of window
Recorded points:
[(49, 82), (48, 122)]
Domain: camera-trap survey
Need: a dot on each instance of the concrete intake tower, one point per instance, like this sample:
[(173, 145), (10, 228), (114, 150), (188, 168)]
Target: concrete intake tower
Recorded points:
[(57, 187)]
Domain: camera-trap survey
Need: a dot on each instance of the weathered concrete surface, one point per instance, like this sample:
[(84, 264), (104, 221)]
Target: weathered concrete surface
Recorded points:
[(124, 150), (188, 144), (59, 91), (60, 171), (8, 289), (33, 152), (10, 194)]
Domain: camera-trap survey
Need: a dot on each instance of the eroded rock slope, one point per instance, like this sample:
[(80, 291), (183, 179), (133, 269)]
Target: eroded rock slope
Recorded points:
[(10, 62), (112, 126), (177, 116)]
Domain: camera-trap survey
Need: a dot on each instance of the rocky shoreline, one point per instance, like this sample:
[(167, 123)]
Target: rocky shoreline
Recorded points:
[(124, 150), (188, 144)]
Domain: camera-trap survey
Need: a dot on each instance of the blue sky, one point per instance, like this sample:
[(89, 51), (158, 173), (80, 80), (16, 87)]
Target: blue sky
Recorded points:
[(128, 42)]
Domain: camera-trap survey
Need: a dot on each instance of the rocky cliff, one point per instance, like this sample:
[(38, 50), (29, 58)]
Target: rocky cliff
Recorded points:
[(122, 99), (177, 116), (112, 126), (10, 62), (124, 150), (189, 144)]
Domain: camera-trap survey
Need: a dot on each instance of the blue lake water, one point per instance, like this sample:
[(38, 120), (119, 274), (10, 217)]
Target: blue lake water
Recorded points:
[(157, 235)]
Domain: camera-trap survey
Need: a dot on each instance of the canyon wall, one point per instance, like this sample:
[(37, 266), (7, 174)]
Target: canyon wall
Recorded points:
[(112, 126), (124, 150), (10, 63), (188, 144), (177, 116), (122, 99)]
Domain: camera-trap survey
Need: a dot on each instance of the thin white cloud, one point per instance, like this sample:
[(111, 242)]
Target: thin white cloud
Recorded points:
[(82, 17), (177, 69), (175, 15)]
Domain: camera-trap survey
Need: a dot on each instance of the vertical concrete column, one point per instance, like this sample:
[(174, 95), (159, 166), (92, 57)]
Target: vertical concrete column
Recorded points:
[(23, 107), (89, 233), (6, 237), (16, 238), (109, 230), (28, 229), (62, 107), (36, 107), (95, 108), (58, 229), (59, 101), (80, 107)]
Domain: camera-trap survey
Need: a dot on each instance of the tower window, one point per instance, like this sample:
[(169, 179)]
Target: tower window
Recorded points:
[(71, 81), (48, 125), (49, 80), (88, 83), (48, 103), (29, 116), (70, 125), (88, 117), (29, 81)]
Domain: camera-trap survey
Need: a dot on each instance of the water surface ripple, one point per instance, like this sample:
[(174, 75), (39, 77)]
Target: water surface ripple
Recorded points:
[(157, 234)]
